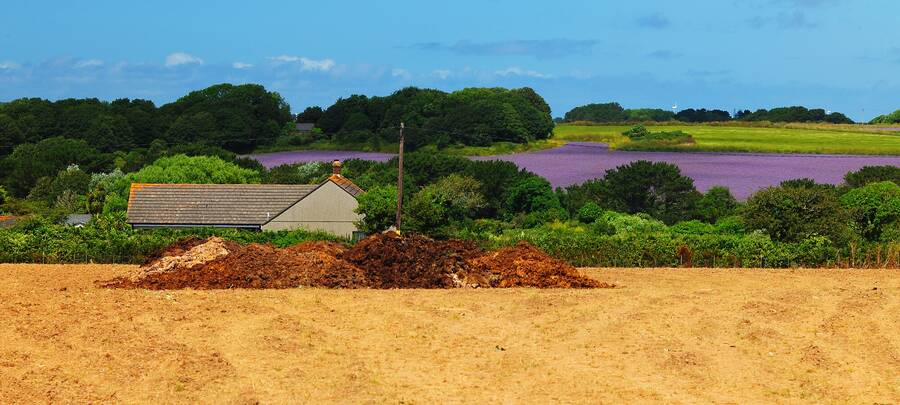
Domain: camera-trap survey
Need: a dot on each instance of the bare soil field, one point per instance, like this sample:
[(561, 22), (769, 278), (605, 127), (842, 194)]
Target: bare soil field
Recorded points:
[(663, 335)]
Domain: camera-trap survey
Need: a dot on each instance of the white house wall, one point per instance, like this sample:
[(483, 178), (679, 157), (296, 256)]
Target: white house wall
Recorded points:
[(329, 208)]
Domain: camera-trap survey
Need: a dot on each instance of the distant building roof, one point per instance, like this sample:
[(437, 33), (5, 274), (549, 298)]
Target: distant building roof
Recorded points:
[(222, 205), (77, 219), (236, 205), (304, 127)]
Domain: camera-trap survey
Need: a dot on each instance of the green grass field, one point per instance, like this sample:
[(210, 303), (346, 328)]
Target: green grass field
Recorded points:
[(810, 139)]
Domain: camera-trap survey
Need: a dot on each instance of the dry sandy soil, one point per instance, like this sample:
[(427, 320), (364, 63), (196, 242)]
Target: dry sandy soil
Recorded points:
[(722, 336)]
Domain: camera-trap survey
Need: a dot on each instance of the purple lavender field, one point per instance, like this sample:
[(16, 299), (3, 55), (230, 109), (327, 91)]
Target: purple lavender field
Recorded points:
[(576, 162)]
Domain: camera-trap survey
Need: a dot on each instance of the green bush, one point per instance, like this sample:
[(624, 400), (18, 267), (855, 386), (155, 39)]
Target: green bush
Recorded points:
[(590, 213), (378, 207), (873, 207), (444, 203), (872, 174), (188, 169), (791, 214), (654, 188), (531, 194), (716, 203)]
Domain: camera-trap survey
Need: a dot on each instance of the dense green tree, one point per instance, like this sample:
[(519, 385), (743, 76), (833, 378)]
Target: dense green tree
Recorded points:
[(892, 118), (310, 115), (873, 207), (530, 194), (872, 174), (649, 114), (72, 180), (795, 114), (792, 214), (715, 204), (378, 206), (10, 134), (654, 188), (605, 112), (188, 169), (448, 201), (702, 115), (29, 162)]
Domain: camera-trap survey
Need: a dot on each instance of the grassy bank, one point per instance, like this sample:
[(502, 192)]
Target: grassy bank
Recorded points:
[(794, 138)]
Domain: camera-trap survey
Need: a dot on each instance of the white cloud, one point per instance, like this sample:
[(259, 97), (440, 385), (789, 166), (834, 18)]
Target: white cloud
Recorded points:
[(442, 73), (241, 65), (88, 63), (9, 65), (323, 65), (517, 71), (398, 72), (181, 58)]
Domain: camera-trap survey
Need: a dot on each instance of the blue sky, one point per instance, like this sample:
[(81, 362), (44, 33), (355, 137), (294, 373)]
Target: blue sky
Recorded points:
[(840, 55)]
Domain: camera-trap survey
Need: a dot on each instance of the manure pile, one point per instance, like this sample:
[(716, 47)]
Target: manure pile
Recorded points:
[(379, 261)]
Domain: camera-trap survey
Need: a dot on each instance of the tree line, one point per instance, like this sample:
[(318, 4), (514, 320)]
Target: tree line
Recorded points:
[(615, 113), (471, 116), (237, 118)]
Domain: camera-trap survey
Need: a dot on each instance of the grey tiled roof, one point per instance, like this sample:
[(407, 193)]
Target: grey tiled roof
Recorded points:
[(211, 204)]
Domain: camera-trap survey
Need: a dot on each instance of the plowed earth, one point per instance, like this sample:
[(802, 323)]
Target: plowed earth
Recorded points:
[(669, 336), (381, 261)]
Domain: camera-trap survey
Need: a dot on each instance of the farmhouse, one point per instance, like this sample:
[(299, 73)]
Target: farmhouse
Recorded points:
[(327, 206)]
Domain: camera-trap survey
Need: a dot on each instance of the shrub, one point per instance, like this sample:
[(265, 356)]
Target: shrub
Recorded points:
[(655, 188), (590, 213), (378, 207), (4, 196), (872, 174), (185, 169), (793, 213), (531, 194), (873, 207), (637, 131), (298, 173), (716, 203), (450, 200)]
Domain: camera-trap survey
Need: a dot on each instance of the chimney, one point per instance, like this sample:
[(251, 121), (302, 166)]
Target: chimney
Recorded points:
[(336, 166)]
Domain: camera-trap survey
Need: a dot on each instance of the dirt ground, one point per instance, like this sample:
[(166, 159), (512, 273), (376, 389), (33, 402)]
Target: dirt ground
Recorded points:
[(663, 335)]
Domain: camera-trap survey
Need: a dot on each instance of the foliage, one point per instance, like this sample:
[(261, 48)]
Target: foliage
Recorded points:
[(892, 118), (298, 173), (235, 117), (445, 203), (29, 162), (472, 116), (188, 169), (590, 212), (791, 214), (378, 205), (872, 174), (655, 188), (643, 139), (702, 115), (873, 208), (71, 180), (531, 194), (717, 203), (310, 115), (605, 112), (649, 115), (108, 239), (4, 196), (794, 114)]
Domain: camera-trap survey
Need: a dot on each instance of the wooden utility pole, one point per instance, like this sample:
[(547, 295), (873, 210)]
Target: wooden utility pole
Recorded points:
[(400, 180)]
